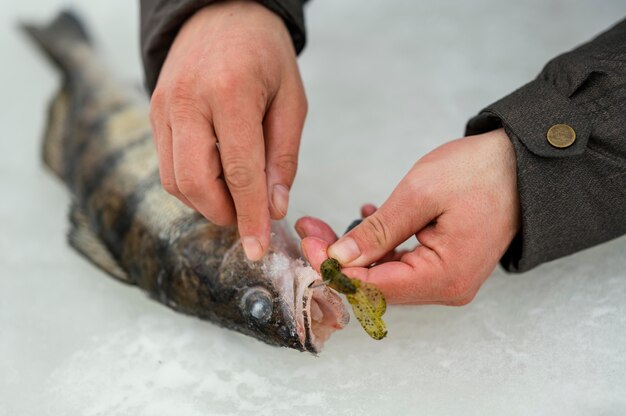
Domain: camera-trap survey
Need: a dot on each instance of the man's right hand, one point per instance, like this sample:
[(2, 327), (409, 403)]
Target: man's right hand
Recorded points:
[(227, 115), (461, 203)]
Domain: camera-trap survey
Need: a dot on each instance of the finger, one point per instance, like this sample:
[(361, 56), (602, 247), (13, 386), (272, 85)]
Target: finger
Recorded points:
[(242, 152), (413, 280), (402, 282), (314, 250), (314, 227), (162, 135), (393, 255), (410, 281), (367, 210), (405, 212), (197, 168), (282, 130), (427, 275), (420, 277)]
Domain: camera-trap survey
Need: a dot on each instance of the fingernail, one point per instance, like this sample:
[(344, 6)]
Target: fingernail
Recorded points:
[(344, 250), (252, 248), (280, 198)]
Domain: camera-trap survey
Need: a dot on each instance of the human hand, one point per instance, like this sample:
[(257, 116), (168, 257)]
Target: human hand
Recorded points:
[(461, 203), (227, 115)]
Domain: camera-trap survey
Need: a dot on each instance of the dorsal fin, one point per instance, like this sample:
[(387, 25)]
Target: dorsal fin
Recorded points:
[(86, 242)]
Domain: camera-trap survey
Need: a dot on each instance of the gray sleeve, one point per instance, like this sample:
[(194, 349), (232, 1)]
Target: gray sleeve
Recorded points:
[(575, 197), (162, 19)]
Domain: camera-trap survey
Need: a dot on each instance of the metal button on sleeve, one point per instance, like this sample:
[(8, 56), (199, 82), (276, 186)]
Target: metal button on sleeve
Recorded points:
[(561, 136)]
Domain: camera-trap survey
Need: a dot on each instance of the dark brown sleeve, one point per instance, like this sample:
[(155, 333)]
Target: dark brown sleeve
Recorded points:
[(162, 19), (575, 197)]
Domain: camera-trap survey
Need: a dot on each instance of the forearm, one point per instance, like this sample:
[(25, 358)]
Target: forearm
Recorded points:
[(572, 197), (162, 19)]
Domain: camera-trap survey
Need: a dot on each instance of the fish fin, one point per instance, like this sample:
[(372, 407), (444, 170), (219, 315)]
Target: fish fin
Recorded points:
[(53, 38), (85, 241), (56, 40)]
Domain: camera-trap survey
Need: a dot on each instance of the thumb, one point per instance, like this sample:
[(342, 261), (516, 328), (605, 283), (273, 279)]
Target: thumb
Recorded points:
[(405, 213)]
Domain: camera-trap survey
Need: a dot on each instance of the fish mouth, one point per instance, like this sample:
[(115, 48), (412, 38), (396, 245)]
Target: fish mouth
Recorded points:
[(318, 310), (315, 309)]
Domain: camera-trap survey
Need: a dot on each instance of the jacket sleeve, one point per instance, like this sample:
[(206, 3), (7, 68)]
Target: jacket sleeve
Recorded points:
[(573, 197), (162, 19)]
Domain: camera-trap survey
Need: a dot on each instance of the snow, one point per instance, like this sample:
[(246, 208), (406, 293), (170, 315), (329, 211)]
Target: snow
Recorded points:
[(386, 83)]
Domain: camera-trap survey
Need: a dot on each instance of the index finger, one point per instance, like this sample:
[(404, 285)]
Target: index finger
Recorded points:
[(418, 278), (423, 277), (242, 151)]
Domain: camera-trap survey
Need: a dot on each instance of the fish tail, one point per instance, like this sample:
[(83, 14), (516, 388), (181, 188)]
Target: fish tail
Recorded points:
[(60, 40), (56, 38)]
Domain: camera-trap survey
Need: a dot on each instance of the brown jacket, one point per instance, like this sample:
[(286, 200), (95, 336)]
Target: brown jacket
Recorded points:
[(572, 197)]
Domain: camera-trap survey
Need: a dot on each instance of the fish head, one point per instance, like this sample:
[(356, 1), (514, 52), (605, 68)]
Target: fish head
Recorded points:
[(280, 299)]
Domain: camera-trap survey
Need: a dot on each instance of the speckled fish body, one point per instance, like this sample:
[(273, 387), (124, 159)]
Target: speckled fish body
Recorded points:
[(98, 142)]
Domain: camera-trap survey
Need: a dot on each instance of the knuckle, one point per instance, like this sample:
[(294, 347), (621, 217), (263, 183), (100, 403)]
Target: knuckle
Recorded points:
[(465, 300), (378, 229), (188, 186), (245, 220), (181, 91), (239, 176), (458, 289), (183, 104), (170, 187), (303, 107), (156, 111), (286, 164), (226, 82), (421, 190), (155, 121), (181, 112), (158, 99), (220, 219)]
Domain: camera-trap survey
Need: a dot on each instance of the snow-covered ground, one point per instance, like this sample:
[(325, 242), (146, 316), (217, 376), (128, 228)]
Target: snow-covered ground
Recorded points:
[(387, 81)]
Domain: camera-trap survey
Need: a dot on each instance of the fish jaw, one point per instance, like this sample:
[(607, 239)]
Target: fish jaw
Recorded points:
[(316, 310), (319, 309)]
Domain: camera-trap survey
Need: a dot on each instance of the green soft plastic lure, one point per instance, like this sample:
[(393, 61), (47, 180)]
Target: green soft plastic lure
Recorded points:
[(368, 303)]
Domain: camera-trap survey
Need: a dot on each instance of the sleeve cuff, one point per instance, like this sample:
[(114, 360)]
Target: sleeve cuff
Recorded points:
[(161, 20), (528, 113), (548, 178)]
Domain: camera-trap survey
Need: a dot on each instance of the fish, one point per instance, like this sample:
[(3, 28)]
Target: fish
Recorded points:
[(98, 142)]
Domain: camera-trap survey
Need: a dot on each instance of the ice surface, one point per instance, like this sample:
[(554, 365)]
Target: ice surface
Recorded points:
[(386, 82)]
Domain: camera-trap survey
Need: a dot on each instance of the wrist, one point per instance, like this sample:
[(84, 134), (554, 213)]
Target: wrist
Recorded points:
[(506, 152), (249, 13)]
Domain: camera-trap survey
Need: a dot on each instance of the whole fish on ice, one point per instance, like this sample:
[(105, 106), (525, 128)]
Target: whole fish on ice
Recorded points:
[(98, 142)]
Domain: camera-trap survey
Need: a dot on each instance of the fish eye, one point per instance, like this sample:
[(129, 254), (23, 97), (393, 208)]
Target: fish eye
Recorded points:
[(257, 304)]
